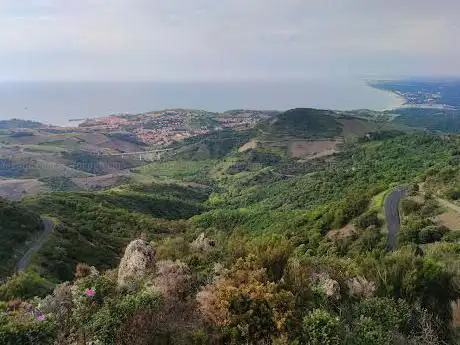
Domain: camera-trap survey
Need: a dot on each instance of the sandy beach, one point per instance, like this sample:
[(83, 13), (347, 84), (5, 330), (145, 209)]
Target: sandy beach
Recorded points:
[(398, 100)]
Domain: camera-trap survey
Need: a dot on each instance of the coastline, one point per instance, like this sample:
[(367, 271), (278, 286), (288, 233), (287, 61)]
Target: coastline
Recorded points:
[(399, 101)]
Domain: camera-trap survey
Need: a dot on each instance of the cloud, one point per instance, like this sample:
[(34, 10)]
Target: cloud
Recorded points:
[(226, 39)]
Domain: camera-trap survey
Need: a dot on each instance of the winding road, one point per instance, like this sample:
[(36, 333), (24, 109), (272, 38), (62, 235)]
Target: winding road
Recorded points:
[(392, 215), (25, 260)]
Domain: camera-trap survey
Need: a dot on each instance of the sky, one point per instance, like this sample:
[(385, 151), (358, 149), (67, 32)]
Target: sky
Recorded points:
[(209, 40)]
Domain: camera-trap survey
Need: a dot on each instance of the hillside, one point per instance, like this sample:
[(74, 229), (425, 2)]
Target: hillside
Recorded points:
[(432, 119), (303, 124), (94, 227), (17, 123), (244, 228), (17, 226)]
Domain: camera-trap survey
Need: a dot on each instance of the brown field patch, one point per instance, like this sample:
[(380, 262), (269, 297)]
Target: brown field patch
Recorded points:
[(449, 219), (248, 146), (346, 231), (417, 198), (98, 182), (313, 149), (16, 189)]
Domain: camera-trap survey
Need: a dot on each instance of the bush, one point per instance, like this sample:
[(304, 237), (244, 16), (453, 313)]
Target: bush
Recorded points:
[(368, 219), (243, 301), (453, 194), (322, 328), (409, 206), (430, 208), (24, 330), (350, 208), (25, 285), (431, 234)]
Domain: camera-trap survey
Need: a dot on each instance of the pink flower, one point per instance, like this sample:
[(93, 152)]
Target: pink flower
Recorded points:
[(90, 292), (41, 317)]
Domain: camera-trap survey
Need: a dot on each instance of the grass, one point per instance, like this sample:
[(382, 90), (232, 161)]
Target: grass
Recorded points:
[(379, 200), (43, 148), (182, 169)]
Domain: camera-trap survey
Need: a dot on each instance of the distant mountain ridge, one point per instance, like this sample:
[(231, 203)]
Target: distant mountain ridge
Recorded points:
[(18, 123)]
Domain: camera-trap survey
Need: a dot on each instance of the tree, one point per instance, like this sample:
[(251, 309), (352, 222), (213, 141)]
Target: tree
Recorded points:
[(244, 302)]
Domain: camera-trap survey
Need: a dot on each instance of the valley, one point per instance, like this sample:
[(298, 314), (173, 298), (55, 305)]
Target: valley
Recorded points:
[(301, 210)]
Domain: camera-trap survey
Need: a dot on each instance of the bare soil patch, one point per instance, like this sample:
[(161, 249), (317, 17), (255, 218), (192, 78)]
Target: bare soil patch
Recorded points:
[(346, 231), (16, 189), (449, 219), (313, 149), (248, 146), (97, 182)]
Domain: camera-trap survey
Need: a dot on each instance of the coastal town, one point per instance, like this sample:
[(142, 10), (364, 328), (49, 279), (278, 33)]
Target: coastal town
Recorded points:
[(163, 128)]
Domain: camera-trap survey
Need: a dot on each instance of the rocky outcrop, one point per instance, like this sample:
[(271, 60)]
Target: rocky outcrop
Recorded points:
[(202, 244), (137, 262), (361, 287), (326, 285)]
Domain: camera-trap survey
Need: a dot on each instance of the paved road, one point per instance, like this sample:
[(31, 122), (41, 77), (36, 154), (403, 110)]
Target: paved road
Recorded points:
[(25, 260), (392, 215)]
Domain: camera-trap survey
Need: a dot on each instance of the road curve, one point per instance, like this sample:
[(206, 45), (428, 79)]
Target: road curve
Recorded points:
[(391, 207), (25, 260)]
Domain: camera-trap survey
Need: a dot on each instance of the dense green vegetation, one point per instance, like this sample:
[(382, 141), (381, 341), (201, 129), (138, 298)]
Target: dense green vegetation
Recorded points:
[(303, 123), (95, 227), (265, 250), (432, 119), (17, 225), (213, 145)]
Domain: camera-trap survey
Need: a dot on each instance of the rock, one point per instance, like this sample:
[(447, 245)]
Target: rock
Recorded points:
[(361, 287), (201, 244), (327, 285), (138, 261)]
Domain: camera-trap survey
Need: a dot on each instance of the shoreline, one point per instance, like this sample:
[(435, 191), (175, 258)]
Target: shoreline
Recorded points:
[(341, 94), (400, 101)]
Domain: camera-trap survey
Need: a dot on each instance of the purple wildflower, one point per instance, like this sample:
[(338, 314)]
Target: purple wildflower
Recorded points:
[(90, 292), (41, 317)]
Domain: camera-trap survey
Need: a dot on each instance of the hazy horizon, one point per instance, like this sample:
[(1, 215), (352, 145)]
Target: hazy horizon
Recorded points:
[(57, 102)]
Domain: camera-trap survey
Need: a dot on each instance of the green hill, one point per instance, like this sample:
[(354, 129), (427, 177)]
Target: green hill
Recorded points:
[(302, 124), (274, 249), (212, 145), (17, 123), (431, 119), (94, 227), (17, 225)]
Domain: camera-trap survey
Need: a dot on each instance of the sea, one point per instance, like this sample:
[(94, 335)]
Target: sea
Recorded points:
[(55, 103)]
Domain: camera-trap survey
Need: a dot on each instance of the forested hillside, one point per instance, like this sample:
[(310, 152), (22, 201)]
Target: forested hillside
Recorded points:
[(433, 119), (243, 241), (17, 225)]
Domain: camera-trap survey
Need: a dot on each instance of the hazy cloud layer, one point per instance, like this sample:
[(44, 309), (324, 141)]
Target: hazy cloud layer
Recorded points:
[(227, 39)]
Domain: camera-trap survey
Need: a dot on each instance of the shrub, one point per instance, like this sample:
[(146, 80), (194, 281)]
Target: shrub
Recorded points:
[(245, 302), (431, 234), (25, 285), (368, 219), (409, 206), (322, 328)]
